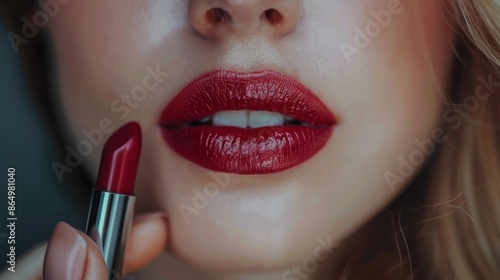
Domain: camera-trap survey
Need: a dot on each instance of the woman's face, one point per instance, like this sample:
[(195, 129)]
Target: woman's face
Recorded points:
[(380, 67)]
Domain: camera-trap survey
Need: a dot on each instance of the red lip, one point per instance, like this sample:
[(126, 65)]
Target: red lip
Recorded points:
[(246, 150)]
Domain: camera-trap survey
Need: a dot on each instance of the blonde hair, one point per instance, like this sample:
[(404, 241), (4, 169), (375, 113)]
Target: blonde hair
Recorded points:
[(463, 222)]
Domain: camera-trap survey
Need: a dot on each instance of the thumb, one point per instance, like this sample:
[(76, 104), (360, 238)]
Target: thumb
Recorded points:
[(148, 238)]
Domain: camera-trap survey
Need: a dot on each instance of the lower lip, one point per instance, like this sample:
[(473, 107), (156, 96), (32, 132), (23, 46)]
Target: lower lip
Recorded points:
[(248, 151)]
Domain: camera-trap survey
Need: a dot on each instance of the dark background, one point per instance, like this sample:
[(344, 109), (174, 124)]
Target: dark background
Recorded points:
[(28, 145)]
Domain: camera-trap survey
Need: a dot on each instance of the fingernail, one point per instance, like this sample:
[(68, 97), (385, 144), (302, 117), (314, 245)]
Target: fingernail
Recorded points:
[(66, 254), (148, 217)]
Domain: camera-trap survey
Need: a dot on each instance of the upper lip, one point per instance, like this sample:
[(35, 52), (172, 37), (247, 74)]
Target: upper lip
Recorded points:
[(224, 90)]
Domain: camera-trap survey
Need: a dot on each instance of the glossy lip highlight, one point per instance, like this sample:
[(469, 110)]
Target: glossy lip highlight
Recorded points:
[(246, 150)]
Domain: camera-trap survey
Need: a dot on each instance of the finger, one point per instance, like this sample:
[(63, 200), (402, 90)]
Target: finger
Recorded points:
[(72, 255), (148, 238)]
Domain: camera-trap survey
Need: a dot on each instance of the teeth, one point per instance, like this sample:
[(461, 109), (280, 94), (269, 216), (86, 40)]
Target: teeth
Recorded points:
[(231, 118), (263, 119), (248, 119)]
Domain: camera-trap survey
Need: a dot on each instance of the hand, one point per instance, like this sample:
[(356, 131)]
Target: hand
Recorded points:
[(71, 254)]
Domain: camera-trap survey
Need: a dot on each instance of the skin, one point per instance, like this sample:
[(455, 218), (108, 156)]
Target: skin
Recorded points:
[(385, 96)]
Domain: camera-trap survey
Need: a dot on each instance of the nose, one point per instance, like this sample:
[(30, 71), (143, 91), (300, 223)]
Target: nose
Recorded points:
[(218, 18)]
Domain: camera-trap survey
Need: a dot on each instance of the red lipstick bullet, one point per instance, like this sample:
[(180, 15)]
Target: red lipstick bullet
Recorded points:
[(112, 201), (119, 160)]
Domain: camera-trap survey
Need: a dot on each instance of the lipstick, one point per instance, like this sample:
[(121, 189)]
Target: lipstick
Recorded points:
[(112, 200)]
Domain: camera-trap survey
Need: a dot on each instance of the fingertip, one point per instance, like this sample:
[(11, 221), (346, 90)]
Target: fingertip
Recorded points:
[(66, 254)]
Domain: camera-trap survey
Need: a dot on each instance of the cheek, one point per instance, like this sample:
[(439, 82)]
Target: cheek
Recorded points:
[(398, 86), (389, 89), (104, 48), (407, 71), (83, 41)]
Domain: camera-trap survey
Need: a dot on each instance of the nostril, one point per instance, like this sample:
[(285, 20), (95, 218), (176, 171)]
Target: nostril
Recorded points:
[(216, 15), (273, 16), (217, 19)]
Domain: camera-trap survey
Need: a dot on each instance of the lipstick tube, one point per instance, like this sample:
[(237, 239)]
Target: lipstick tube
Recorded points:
[(108, 224), (112, 201)]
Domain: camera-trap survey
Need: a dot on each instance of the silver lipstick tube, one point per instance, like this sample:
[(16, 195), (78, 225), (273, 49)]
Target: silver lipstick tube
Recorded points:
[(108, 224)]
